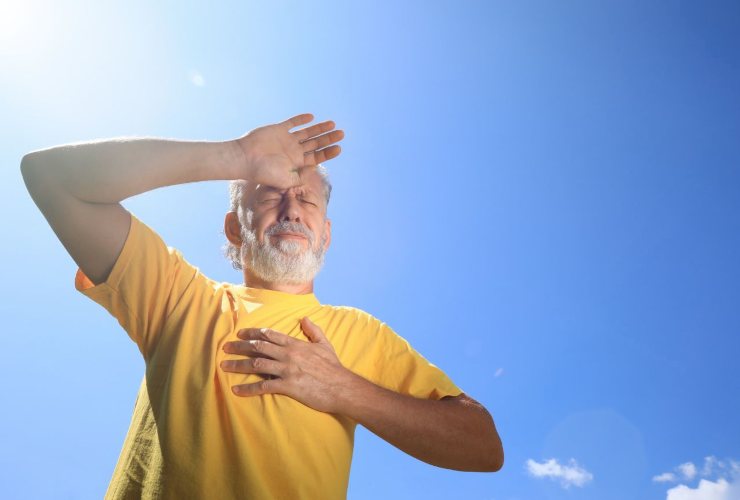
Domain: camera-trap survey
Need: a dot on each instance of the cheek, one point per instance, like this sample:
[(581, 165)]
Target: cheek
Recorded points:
[(260, 234), (322, 236), (258, 222)]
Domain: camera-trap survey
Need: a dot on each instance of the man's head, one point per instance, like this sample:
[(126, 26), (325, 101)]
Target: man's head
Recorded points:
[(280, 235)]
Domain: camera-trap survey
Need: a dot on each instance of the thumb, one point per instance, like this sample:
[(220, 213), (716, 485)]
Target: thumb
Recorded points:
[(312, 331)]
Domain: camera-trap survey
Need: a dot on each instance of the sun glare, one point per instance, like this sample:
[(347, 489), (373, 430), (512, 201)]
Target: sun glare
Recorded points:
[(24, 28)]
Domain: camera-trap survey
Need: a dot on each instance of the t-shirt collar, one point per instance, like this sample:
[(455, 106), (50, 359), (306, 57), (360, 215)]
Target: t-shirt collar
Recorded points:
[(265, 297)]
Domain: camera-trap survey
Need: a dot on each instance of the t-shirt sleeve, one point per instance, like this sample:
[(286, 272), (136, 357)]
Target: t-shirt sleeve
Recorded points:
[(145, 285), (400, 368)]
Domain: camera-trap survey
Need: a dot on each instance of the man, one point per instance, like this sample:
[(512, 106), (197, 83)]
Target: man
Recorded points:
[(250, 391)]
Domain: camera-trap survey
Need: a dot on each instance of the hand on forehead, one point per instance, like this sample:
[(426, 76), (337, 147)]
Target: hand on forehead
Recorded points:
[(311, 183), (298, 189)]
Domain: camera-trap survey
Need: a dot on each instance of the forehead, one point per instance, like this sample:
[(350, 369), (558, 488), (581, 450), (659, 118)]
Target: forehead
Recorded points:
[(311, 183)]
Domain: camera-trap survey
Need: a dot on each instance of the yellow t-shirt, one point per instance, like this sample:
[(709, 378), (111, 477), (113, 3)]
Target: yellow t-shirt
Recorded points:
[(190, 436)]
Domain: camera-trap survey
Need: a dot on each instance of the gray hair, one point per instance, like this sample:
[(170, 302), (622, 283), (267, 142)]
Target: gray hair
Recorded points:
[(236, 204)]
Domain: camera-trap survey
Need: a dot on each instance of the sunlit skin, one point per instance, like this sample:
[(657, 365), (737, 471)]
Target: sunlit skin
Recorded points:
[(311, 372), (304, 204), (79, 188), (274, 156)]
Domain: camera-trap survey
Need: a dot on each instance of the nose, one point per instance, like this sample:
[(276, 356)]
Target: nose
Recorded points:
[(290, 210)]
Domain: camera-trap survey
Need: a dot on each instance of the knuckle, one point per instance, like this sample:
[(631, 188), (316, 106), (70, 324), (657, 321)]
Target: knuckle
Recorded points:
[(256, 345), (258, 363)]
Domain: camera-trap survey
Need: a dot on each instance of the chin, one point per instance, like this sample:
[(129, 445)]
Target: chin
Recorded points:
[(290, 247)]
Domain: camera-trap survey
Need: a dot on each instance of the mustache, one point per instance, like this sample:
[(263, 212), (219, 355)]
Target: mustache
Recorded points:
[(292, 227)]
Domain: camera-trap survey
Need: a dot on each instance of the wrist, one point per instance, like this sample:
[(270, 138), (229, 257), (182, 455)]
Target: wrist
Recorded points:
[(239, 160), (351, 391)]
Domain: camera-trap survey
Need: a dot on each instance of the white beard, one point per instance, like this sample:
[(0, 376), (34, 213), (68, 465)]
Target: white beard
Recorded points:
[(285, 262)]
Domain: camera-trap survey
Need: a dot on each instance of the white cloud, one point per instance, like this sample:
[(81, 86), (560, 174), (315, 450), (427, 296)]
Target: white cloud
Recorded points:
[(709, 463), (707, 490), (499, 372), (197, 79), (724, 486), (688, 470), (666, 477), (569, 475)]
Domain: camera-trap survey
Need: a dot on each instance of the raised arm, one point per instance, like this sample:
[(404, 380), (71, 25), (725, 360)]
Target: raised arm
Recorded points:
[(79, 187)]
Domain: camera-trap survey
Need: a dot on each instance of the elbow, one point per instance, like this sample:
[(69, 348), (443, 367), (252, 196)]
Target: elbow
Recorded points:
[(35, 176), (486, 453), (494, 457), (34, 161), (498, 459), (27, 160), (29, 168), (493, 449), (485, 442), (489, 458), (37, 183)]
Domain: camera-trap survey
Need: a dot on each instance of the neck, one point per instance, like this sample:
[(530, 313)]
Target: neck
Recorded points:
[(253, 281)]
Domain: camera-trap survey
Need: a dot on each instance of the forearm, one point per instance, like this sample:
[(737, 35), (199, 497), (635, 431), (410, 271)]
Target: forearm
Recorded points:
[(112, 170), (450, 433)]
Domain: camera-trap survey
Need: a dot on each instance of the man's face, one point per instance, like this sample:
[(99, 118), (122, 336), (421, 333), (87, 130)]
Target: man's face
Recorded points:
[(286, 232)]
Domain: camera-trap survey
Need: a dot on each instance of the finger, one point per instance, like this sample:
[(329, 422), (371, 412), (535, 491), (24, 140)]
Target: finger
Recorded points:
[(314, 130), (264, 334), (254, 348), (313, 332), (320, 156), (298, 120), (253, 365), (269, 386), (322, 140)]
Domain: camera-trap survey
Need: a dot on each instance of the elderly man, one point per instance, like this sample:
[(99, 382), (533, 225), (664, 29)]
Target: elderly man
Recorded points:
[(250, 391)]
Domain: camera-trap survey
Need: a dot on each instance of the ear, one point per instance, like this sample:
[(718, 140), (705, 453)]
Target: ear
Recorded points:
[(327, 229), (233, 229)]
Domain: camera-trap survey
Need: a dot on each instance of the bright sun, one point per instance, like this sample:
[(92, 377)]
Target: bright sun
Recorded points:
[(24, 27)]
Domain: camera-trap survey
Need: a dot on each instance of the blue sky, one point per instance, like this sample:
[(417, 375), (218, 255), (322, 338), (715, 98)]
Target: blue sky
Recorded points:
[(542, 197)]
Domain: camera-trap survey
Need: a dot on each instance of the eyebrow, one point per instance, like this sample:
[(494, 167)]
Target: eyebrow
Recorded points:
[(265, 190)]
